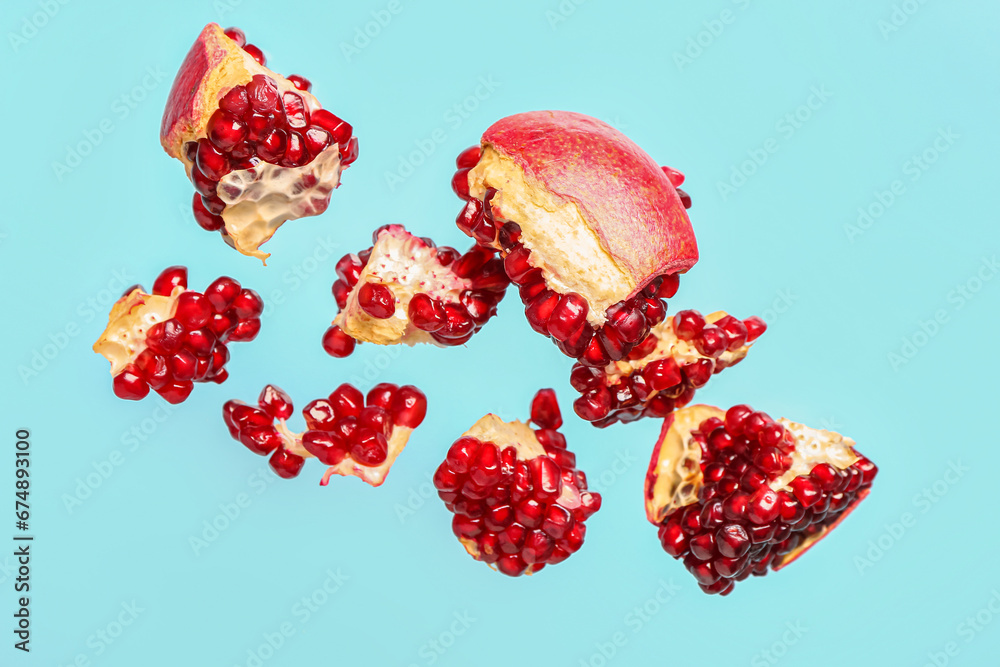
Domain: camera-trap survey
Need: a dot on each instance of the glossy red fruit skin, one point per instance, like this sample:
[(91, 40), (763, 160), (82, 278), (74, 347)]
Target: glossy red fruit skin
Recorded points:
[(637, 215)]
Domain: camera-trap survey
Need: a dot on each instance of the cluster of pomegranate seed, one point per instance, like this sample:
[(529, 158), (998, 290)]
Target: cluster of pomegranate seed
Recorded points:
[(745, 521), (561, 317), (190, 346), (663, 374), (518, 499), (258, 123), (449, 321), (347, 431)]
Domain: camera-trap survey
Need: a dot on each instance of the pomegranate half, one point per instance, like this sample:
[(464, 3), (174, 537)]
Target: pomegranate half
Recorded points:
[(351, 434), (404, 289), (258, 148), (735, 492), (591, 228), (518, 499), (170, 339), (661, 374)]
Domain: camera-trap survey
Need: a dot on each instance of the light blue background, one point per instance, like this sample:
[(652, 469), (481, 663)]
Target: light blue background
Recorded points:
[(838, 302)]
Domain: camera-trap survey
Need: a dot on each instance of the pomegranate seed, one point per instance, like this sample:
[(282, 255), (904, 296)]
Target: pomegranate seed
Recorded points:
[(170, 279), (568, 316), (755, 327), (688, 324), (545, 410), (275, 402), (236, 102), (460, 183), (225, 130), (130, 385), (468, 158), (263, 94), (676, 178), (668, 288), (286, 464), (593, 405), (300, 82), (685, 198), (236, 35), (377, 300), (205, 219), (340, 130), (337, 343), (426, 313)]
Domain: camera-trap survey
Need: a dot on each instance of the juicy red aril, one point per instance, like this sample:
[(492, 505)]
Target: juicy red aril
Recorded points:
[(755, 327), (225, 130), (460, 183), (339, 129), (468, 158), (688, 324), (328, 447), (205, 218), (210, 161), (545, 409), (337, 343), (569, 315), (129, 385), (193, 310), (170, 279), (275, 402), (300, 82), (286, 464), (263, 94), (377, 300), (222, 292), (426, 313)]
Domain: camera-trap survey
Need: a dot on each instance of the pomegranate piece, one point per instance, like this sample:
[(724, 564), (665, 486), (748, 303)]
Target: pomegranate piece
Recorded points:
[(735, 493), (519, 501), (404, 289), (591, 229), (661, 374), (351, 434), (258, 148), (168, 340)]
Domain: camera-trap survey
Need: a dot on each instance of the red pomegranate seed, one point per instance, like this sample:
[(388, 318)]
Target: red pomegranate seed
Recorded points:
[(275, 402), (236, 35), (170, 279), (286, 464), (755, 327), (688, 324), (225, 130), (468, 158), (568, 316), (337, 343), (130, 385), (545, 410), (377, 300), (426, 313), (339, 129), (300, 82)]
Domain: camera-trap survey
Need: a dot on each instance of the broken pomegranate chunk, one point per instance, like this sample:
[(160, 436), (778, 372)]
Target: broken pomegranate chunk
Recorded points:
[(259, 148), (736, 493), (170, 339), (661, 374), (519, 501), (591, 229), (350, 433), (404, 289)]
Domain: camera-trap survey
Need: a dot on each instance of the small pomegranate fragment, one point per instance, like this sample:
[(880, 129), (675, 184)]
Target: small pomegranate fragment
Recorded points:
[(736, 493), (518, 499), (404, 289), (591, 229), (661, 374), (351, 434), (168, 340), (258, 148)]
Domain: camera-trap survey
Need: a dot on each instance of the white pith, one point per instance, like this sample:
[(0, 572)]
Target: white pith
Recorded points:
[(373, 475), (675, 474), (261, 199), (669, 345), (561, 242), (407, 266), (130, 319)]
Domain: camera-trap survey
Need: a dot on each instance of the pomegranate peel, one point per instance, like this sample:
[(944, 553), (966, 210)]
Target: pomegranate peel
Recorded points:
[(591, 229), (518, 500), (259, 148), (735, 493), (404, 289), (353, 435), (174, 337)]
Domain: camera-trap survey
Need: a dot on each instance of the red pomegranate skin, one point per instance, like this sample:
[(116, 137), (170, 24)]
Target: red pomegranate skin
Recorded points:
[(623, 194)]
